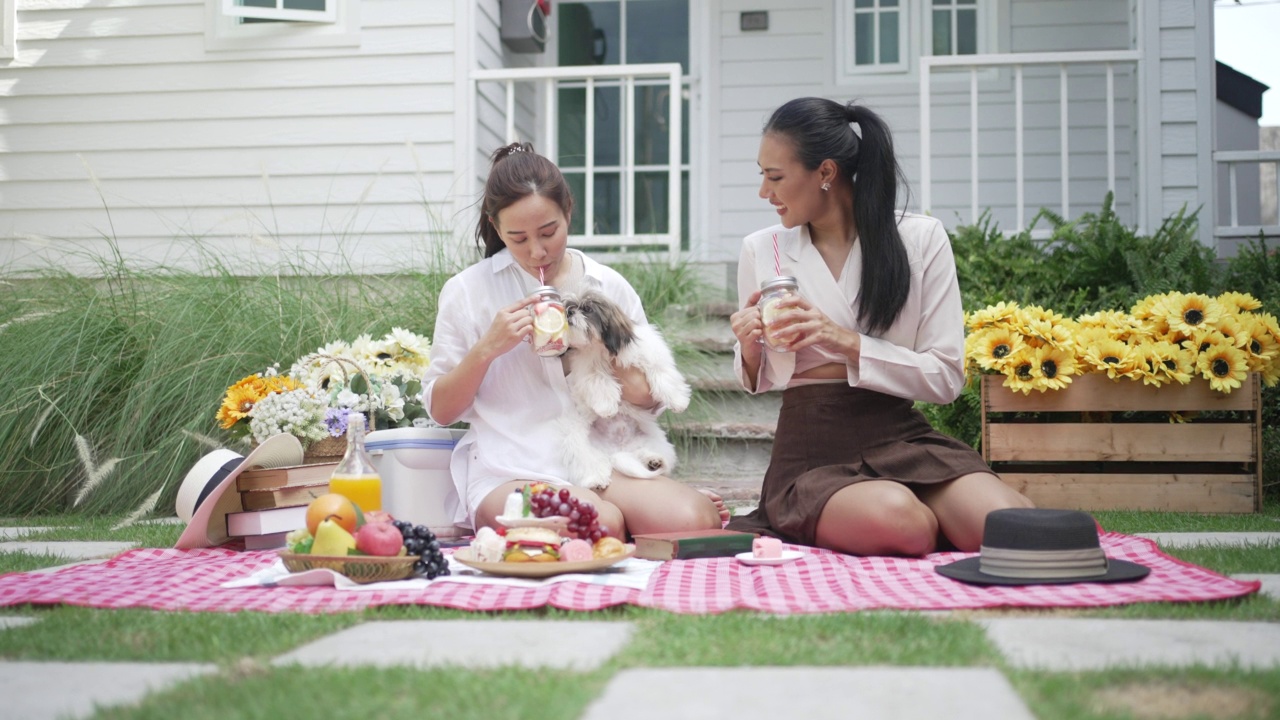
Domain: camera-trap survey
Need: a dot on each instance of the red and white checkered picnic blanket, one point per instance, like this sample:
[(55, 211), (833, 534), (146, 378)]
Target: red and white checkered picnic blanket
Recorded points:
[(820, 581)]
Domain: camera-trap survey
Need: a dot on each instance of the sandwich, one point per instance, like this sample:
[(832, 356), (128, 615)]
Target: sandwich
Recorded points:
[(532, 544)]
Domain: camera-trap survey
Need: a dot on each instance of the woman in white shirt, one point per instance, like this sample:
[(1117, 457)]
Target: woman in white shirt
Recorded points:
[(483, 371), (877, 325)]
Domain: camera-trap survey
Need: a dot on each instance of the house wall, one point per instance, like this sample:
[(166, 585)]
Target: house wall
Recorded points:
[(1180, 95), (1236, 130), (760, 70), (119, 127)]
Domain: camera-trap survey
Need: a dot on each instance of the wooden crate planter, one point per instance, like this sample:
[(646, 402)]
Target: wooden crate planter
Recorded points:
[(1084, 447)]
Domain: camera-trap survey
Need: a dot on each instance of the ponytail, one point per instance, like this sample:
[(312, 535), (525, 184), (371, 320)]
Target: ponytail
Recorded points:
[(821, 129), (886, 270)]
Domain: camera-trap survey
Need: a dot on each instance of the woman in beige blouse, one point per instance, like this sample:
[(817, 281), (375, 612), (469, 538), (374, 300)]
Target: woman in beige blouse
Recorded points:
[(876, 326)]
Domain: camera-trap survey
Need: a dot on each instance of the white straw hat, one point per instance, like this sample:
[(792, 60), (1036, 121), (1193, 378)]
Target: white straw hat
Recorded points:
[(203, 500)]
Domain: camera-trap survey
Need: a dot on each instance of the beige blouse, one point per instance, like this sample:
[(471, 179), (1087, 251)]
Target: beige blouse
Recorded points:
[(920, 357)]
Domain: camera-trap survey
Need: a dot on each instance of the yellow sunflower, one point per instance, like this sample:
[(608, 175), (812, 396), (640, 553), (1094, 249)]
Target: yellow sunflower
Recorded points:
[(1238, 302), (1259, 343), (1224, 365), (1119, 324), (1150, 369), (1148, 307), (1055, 366), (1191, 313), (1021, 371), (1235, 332), (1173, 362), (1111, 356), (990, 347), (245, 393), (997, 314)]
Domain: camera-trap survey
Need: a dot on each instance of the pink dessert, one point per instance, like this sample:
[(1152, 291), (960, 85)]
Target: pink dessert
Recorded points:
[(766, 547), (575, 551)]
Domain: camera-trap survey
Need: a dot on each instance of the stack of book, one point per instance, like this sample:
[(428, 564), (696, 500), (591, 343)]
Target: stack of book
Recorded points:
[(274, 502)]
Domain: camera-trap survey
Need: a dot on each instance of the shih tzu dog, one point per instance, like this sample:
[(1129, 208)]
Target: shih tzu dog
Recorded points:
[(602, 432)]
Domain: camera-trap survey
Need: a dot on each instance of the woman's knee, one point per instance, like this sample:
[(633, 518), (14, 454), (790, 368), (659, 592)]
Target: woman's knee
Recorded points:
[(881, 519)]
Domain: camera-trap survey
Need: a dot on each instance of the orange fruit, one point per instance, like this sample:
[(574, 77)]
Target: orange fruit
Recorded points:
[(333, 505)]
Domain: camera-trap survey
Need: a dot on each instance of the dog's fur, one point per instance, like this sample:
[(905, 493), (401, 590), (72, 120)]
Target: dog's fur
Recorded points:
[(602, 432)]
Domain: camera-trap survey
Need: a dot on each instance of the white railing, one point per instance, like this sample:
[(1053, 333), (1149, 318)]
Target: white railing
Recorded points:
[(1018, 61), (1232, 160), (549, 80)]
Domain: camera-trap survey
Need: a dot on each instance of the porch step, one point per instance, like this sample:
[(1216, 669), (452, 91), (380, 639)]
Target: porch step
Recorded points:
[(725, 438)]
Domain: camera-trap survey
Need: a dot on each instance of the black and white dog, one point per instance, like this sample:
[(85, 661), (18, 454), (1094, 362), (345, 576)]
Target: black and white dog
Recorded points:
[(603, 433)]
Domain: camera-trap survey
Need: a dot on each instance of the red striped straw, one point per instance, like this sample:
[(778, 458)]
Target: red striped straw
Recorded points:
[(777, 259), (541, 279)]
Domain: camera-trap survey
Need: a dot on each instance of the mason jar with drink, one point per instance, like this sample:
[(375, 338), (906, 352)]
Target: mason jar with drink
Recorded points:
[(549, 323), (773, 292)]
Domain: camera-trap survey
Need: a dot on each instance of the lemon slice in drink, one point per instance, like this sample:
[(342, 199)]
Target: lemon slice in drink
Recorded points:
[(549, 321), (770, 311)]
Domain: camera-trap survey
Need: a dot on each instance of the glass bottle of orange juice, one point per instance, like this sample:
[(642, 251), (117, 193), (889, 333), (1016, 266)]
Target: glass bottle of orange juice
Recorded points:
[(356, 477)]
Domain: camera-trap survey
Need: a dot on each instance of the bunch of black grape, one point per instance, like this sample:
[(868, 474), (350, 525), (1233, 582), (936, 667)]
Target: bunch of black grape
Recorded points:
[(584, 519), (420, 541)]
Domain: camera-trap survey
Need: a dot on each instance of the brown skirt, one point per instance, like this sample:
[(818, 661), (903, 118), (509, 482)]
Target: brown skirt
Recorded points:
[(831, 436)]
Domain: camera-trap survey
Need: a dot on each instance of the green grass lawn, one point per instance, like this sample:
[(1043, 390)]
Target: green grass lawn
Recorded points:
[(248, 686)]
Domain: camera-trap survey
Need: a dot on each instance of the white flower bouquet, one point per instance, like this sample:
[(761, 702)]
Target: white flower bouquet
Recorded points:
[(379, 378)]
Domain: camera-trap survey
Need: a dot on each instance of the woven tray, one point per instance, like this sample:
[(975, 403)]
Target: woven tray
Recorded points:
[(360, 568)]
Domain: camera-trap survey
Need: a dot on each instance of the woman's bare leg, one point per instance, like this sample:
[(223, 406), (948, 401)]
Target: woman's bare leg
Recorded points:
[(661, 505), (877, 517), (491, 507), (961, 506)]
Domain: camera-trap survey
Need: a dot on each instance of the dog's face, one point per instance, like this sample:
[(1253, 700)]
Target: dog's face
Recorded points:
[(594, 318)]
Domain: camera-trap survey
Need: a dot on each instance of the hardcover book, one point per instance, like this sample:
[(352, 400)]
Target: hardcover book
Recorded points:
[(295, 475), (267, 522), (287, 496), (692, 544)]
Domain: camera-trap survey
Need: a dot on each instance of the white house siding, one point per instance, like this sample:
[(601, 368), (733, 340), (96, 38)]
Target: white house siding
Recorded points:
[(1237, 130), (119, 126), (761, 70), (1180, 96)]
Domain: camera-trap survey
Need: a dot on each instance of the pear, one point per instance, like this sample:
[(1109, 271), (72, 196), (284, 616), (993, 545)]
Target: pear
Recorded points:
[(332, 539)]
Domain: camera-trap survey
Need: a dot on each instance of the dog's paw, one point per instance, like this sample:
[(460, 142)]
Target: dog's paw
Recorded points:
[(599, 483), (605, 406)]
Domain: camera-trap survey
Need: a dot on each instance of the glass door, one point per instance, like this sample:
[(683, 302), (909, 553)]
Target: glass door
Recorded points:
[(626, 187)]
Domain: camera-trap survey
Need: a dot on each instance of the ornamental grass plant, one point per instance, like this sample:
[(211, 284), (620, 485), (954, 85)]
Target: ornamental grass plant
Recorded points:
[(110, 385)]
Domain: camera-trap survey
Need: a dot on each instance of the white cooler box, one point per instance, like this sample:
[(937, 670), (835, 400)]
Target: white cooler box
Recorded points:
[(416, 484)]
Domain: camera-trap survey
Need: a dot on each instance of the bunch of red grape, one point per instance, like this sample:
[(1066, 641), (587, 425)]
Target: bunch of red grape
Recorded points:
[(584, 520)]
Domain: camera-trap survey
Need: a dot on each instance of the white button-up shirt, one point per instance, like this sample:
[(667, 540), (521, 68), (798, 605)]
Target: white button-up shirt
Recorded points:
[(920, 356), (514, 417)]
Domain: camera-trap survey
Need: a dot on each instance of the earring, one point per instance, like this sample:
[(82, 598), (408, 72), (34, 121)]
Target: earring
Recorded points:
[(826, 186)]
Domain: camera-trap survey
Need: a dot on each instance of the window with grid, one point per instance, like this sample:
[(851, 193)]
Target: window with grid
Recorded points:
[(628, 199), (250, 11), (872, 36), (955, 27)]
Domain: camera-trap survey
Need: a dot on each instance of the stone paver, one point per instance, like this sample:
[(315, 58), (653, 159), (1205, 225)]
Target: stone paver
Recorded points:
[(1270, 583), (39, 690), (1191, 539), (813, 693), (13, 622), (69, 550), (10, 533), (1086, 644), (478, 644)]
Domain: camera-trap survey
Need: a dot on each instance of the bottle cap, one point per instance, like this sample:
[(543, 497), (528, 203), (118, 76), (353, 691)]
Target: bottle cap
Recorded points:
[(546, 290), (778, 283)]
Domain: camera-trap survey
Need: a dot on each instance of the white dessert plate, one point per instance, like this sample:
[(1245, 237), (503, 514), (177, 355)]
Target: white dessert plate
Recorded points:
[(556, 523), (787, 556), (538, 569)]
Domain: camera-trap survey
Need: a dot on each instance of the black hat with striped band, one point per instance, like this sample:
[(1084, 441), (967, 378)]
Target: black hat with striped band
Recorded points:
[(1036, 546)]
